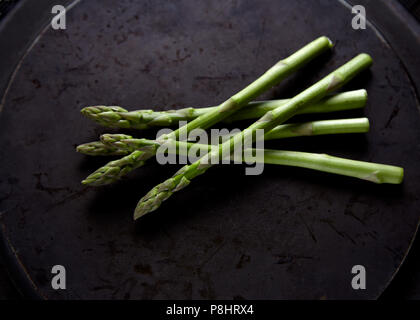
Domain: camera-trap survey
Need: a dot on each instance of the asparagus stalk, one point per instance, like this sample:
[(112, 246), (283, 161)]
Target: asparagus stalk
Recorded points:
[(117, 117), (316, 128), (373, 172), (121, 144), (337, 102), (114, 170), (152, 200)]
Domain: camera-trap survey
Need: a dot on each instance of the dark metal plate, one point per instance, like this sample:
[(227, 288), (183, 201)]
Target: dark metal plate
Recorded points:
[(289, 233)]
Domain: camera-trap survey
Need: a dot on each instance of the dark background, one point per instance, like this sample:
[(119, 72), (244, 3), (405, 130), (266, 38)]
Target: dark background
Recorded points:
[(406, 284)]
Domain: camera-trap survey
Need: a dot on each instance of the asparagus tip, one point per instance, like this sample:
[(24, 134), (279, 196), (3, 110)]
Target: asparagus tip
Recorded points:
[(85, 111), (93, 110), (140, 211), (109, 138)]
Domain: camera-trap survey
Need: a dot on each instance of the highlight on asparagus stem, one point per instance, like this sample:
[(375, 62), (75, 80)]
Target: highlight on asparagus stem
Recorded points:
[(117, 117), (118, 168), (152, 200), (121, 144), (316, 128)]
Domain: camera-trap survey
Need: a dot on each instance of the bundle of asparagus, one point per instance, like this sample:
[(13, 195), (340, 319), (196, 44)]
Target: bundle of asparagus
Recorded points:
[(316, 99)]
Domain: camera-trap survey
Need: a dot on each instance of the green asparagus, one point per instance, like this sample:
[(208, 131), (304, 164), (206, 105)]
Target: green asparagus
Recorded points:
[(152, 200), (121, 144), (373, 172), (117, 117), (118, 168)]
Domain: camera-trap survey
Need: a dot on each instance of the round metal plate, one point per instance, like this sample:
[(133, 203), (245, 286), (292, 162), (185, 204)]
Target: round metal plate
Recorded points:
[(289, 233)]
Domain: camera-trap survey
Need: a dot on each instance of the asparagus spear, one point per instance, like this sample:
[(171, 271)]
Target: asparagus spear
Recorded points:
[(121, 144), (373, 172), (117, 117), (152, 200), (112, 171)]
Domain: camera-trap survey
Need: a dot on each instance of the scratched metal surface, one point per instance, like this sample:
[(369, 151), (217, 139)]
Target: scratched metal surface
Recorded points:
[(289, 233)]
